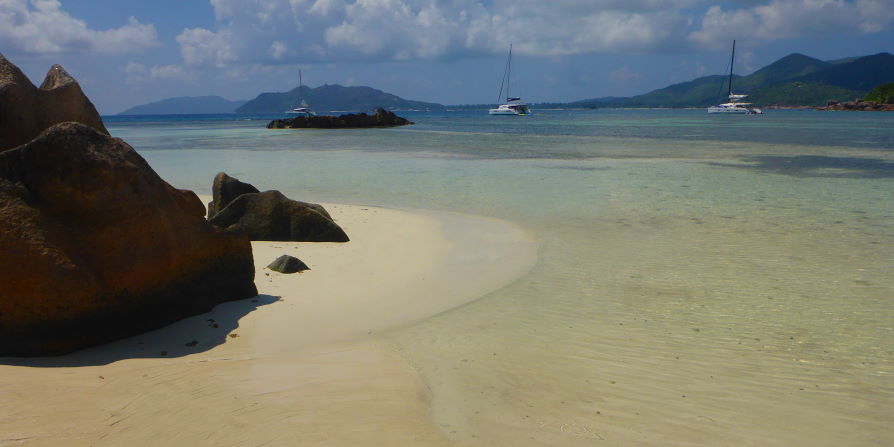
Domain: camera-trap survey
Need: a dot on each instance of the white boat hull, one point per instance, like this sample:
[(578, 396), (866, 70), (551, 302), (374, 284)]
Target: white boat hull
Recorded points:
[(728, 110), (513, 108), (303, 111), (503, 112)]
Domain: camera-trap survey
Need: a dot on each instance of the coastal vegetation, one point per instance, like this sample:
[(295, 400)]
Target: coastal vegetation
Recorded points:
[(883, 94)]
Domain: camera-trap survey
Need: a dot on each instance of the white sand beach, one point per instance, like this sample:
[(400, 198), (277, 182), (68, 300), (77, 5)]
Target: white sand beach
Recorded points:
[(302, 364)]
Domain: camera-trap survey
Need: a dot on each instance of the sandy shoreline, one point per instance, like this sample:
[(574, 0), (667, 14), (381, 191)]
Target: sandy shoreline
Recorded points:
[(301, 364)]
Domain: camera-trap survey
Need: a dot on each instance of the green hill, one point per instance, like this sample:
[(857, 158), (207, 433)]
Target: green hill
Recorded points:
[(795, 94), (185, 105), (862, 74), (794, 80), (331, 98), (788, 68), (883, 94)]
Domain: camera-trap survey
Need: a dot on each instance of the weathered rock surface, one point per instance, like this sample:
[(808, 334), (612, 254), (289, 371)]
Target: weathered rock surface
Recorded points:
[(271, 216), (224, 190), (858, 105), (288, 264), (95, 246), (26, 111), (380, 118)]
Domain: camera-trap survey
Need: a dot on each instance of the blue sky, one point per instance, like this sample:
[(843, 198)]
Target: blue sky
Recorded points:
[(129, 52)]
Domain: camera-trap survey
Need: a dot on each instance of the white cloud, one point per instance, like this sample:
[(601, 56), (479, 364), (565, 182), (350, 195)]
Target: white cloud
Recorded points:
[(320, 31), (199, 46), (137, 73), (134, 73), (168, 72), (624, 75), (134, 68), (784, 19), (278, 50), (309, 31), (42, 27)]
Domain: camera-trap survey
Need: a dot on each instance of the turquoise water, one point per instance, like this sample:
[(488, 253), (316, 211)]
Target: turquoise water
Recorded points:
[(703, 280)]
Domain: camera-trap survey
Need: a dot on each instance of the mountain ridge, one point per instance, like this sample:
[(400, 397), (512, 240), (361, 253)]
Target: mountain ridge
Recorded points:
[(331, 97), (793, 80), (185, 105)]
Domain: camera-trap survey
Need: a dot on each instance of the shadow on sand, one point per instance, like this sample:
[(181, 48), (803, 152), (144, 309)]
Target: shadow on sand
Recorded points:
[(817, 166), (188, 336)]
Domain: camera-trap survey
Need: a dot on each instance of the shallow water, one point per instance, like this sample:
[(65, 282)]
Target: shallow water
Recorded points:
[(703, 280)]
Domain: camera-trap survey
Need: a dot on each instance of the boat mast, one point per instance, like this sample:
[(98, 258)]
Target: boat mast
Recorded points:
[(505, 79), (731, 59), (508, 72)]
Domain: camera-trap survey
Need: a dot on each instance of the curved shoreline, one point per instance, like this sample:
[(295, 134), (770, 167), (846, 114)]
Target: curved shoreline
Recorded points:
[(299, 365)]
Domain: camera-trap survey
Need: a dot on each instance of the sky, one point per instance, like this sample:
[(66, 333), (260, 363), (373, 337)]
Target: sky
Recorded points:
[(130, 52)]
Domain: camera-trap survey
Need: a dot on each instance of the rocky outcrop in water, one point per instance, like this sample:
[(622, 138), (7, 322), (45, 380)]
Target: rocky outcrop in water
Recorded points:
[(379, 118), (858, 105), (95, 246), (271, 216), (25, 110)]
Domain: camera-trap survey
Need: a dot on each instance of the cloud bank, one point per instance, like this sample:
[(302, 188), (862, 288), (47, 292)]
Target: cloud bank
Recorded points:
[(784, 19), (322, 31), (42, 27)]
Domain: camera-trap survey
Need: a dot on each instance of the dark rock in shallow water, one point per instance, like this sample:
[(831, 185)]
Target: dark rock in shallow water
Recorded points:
[(224, 190), (288, 264), (858, 105), (380, 118), (96, 246), (26, 111), (271, 216)]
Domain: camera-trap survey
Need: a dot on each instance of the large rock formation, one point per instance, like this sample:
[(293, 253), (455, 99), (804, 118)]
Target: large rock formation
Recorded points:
[(224, 190), (25, 110), (380, 118), (95, 246), (271, 216)]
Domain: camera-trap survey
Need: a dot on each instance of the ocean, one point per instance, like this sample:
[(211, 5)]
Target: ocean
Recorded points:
[(703, 280)]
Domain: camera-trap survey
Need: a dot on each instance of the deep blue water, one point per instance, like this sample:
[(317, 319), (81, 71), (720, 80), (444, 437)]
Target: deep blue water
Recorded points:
[(804, 127)]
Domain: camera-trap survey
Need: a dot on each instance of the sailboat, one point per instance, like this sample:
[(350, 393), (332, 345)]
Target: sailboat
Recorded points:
[(513, 105), (302, 110), (734, 106)]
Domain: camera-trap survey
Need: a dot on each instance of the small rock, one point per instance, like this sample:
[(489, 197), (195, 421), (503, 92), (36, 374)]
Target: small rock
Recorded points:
[(288, 264)]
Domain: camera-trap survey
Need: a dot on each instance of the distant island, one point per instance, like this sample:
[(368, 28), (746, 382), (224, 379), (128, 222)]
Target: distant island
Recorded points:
[(185, 105), (794, 81), (332, 97)]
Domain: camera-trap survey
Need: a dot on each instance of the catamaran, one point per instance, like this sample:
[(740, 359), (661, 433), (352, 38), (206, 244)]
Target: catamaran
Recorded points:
[(734, 106), (303, 110), (514, 105)]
